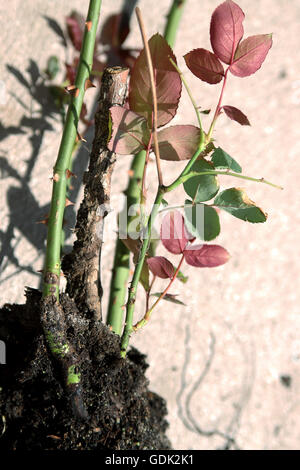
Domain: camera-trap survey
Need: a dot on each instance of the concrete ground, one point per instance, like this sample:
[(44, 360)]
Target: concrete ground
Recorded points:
[(227, 363)]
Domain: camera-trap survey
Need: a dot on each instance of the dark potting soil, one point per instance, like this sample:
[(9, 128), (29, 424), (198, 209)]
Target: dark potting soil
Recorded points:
[(36, 413)]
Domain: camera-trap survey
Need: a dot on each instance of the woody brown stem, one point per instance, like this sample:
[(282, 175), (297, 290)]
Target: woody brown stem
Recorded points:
[(153, 91), (81, 266)]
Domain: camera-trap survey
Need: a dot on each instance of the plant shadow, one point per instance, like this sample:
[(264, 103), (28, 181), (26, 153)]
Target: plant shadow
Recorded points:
[(24, 210)]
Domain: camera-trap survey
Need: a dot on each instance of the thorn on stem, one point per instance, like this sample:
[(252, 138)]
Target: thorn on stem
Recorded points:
[(72, 90), (69, 174), (88, 25), (89, 84), (55, 177), (79, 138), (69, 203), (44, 221)]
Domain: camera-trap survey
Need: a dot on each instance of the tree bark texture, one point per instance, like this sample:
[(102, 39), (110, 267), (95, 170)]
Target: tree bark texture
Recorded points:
[(82, 265)]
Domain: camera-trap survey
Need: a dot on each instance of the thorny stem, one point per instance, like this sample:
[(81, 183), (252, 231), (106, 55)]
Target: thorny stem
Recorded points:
[(174, 17), (120, 272), (153, 91), (147, 315), (52, 314), (52, 263), (137, 273), (120, 275)]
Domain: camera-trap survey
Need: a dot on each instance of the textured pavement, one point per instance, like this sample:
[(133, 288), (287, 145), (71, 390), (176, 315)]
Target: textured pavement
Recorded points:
[(227, 363)]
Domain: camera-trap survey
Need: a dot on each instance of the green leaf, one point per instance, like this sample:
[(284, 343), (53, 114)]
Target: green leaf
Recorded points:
[(181, 277), (169, 298), (202, 188), (201, 220), (236, 202), (221, 159)]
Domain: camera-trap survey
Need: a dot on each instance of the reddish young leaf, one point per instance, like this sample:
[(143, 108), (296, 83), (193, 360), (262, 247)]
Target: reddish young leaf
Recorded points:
[(250, 55), (161, 267), (178, 142), (75, 27), (206, 256), (173, 233), (168, 83), (130, 133), (226, 30), (236, 115), (205, 65)]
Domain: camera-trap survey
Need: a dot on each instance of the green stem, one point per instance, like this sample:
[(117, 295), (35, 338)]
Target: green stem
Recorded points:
[(58, 200), (174, 17), (183, 178), (120, 275), (120, 272), (118, 287), (188, 90), (137, 273)]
